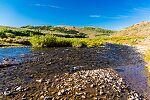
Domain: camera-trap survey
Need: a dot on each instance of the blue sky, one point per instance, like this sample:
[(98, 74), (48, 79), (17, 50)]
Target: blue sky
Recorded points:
[(113, 14)]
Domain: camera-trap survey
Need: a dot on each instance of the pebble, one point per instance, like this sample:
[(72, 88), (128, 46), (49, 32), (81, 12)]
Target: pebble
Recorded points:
[(81, 89), (61, 92), (39, 81), (57, 79), (47, 98), (92, 85), (101, 92), (83, 96), (49, 63), (95, 98), (7, 93), (78, 94), (48, 81), (73, 69), (24, 97), (18, 88), (42, 97)]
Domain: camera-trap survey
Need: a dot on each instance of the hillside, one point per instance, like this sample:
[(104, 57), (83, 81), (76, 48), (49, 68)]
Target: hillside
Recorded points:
[(60, 31), (140, 29), (6, 31), (72, 31)]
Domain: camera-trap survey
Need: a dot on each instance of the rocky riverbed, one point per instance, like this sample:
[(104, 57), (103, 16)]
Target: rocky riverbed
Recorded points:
[(67, 73)]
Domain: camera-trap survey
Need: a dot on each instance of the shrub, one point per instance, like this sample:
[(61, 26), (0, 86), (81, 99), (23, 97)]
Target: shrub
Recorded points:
[(77, 44), (2, 35), (63, 42), (10, 35), (43, 41), (53, 41)]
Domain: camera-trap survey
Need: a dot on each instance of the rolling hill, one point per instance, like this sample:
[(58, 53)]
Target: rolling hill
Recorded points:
[(73, 31), (60, 31), (140, 29)]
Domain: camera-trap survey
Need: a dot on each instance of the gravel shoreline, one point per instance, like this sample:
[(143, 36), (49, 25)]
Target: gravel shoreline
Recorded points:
[(99, 84)]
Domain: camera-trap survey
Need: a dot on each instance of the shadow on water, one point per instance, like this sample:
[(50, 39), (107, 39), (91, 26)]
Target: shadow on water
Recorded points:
[(130, 65), (49, 62)]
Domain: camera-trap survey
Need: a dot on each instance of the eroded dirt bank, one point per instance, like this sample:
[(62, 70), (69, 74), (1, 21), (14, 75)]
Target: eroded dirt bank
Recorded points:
[(66, 73)]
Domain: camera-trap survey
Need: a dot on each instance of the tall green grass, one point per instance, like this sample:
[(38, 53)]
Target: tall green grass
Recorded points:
[(53, 41)]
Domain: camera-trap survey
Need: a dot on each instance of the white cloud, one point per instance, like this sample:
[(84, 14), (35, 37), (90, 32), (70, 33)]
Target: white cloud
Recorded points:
[(110, 17), (95, 16), (119, 17), (43, 5)]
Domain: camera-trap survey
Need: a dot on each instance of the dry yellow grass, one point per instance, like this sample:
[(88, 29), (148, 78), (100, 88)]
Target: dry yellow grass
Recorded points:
[(147, 59), (140, 29)]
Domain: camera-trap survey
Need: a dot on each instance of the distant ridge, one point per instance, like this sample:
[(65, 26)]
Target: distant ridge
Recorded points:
[(140, 29)]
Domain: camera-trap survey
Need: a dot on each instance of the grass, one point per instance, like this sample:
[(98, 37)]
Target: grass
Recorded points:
[(147, 59), (140, 29), (6, 44), (18, 40), (53, 41), (13, 32)]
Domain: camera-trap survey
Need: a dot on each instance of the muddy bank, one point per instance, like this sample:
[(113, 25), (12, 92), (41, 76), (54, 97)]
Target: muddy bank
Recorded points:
[(48, 75)]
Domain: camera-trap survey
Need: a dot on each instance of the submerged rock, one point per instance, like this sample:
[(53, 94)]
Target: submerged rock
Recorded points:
[(7, 93), (40, 80), (61, 92), (18, 88)]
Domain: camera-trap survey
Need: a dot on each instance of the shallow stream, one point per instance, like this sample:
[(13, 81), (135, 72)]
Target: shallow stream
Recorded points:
[(133, 73)]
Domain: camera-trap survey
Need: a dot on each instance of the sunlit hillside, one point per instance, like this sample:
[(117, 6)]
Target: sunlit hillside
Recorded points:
[(140, 29)]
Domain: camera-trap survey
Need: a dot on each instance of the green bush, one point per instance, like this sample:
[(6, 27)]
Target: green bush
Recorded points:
[(77, 44), (10, 35), (43, 41), (53, 41), (2, 35), (63, 42)]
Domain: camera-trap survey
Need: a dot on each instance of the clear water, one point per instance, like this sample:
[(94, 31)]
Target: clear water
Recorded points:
[(137, 78), (134, 75), (17, 54)]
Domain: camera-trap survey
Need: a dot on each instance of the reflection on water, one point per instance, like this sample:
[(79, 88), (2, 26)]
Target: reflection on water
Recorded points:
[(14, 54)]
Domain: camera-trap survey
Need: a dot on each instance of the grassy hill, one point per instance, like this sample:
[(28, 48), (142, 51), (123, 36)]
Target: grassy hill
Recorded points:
[(50, 36), (140, 29), (14, 36), (71, 31), (12, 32)]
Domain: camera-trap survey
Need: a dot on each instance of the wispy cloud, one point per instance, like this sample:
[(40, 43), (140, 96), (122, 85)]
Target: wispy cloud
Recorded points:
[(110, 17), (142, 10), (119, 17), (94, 16), (47, 5), (134, 13)]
